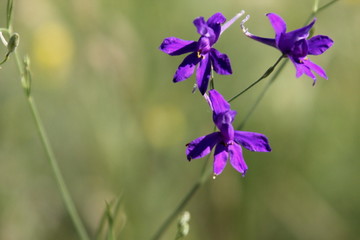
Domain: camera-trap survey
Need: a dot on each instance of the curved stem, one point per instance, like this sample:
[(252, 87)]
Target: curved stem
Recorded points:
[(265, 75)]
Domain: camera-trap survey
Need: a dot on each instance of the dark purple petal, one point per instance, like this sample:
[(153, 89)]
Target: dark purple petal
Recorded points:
[(305, 66), (216, 19), (319, 44), (287, 40), (186, 68), (220, 62), (267, 41), (204, 45), (300, 33), (202, 146), (223, 121), (176, 46), (225, 117), (278, 25), (203, 74), (301, 68), (299, 49), (220, 158), (218, 102), (227, 132), (202, 28), (252, 141), (237, 159), (214, 22), (316, 68)]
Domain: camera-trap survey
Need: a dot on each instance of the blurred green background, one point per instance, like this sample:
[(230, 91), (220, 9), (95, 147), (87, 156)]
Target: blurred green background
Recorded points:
[(119, 125)]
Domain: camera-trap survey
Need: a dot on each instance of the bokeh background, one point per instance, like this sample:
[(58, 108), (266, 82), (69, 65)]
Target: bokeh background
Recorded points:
[(119, 125)]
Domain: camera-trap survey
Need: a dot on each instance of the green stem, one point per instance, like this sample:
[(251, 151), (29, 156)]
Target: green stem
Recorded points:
[(265, 75), (57, 173), (205, 172), (69, 204), (317, 10), (242, 124)]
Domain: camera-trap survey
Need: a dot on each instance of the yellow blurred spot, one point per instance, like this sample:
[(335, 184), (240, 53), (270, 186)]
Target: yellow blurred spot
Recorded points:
[(164, 126), (52, 47)]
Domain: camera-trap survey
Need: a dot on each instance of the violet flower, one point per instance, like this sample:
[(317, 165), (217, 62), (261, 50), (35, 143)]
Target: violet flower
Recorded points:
[(202, 54), (227, 141), (295, 45)]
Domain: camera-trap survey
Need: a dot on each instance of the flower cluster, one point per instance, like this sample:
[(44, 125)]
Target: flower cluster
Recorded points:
[(204, 58)]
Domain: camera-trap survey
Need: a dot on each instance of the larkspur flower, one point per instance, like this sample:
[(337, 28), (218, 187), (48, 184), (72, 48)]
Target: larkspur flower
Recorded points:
[(295, 45), (227, 141), (202, 54)]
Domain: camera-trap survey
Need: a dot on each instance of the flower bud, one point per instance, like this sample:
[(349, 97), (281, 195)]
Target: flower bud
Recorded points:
[(13, 42), (183, 225)]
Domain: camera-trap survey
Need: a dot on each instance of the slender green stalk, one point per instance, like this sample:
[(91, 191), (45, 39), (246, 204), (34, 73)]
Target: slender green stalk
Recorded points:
[(265, 75), (262, 94), (70, 206), (204, 176), (317, 10), (24, 75)]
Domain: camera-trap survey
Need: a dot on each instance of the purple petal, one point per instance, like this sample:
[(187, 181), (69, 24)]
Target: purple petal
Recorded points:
[(300, 33), (316, 68), (252, 141), (298, 49), (186, 68), (218, 102), (214, 22), (237, 159), (204, 45), (203, 73), (216, 19), (221, 62), (319, 44), (202, 28), (176, 46), (267, 41), (278, 25), (220, 158), (301, 68), (227, 132), (202, 146)]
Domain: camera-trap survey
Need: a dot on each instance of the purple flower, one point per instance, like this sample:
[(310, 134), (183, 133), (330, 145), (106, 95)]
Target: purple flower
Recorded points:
[(202, 54), (227, 141), (296, 46)]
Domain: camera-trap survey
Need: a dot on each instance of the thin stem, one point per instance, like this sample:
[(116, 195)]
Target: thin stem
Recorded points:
[(265, 75), (69, 204), (57, 173), (205, 172), (317, 10), (242, 124)]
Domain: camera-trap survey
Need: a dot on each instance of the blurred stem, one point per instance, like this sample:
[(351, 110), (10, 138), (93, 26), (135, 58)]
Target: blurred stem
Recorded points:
[(265, 75), (262, 94), (69, 204), (205, 172), (316, 9)]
